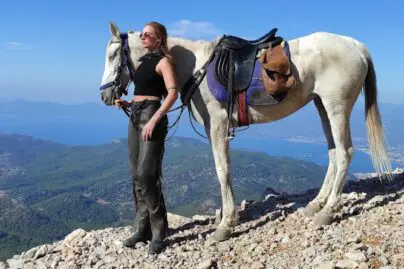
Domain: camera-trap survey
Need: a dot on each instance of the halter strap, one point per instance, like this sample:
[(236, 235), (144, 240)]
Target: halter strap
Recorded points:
[(124, 61)]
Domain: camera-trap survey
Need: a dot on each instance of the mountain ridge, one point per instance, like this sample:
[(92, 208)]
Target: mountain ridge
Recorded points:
[(79, 121), (366, 233), (52, 180)]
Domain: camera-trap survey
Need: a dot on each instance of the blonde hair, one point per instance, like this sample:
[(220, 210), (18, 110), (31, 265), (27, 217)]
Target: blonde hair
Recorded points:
[(161, 32)]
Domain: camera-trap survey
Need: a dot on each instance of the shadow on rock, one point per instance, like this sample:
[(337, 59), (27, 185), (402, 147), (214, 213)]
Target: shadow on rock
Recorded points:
[(359, 195)]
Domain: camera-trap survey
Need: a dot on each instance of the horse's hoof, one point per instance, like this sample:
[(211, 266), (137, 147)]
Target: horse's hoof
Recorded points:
[(222, 234), (323, 218), (311, 209)]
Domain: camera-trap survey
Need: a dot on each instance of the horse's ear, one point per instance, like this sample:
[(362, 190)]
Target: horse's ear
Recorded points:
[(114, 30)]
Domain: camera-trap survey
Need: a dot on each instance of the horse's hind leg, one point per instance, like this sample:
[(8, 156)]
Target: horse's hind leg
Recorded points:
[(339, 117), (220, 148), (317, 204)]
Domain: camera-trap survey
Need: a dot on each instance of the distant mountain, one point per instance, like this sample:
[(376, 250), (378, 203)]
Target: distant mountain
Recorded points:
[(95, 123), (299, 136), (305, 125), (47, 169), (90, 186), (21, 226), (80, 124)]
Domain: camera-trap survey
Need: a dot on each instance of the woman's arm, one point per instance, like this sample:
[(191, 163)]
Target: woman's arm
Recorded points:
[(166, 68)]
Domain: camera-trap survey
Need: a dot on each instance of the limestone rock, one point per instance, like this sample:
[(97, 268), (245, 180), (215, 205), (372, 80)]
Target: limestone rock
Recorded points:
[(272, 234), (347, 264), (75, 235)]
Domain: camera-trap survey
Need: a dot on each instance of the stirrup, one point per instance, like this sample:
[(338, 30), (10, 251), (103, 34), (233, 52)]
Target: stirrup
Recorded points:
[(230, 137)]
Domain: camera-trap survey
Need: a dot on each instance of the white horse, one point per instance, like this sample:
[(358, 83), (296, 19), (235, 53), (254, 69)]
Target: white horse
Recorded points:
[(331, 70)]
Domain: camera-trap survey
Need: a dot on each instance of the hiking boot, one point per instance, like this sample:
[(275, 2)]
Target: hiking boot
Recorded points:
[(156, 247), (135, 238)]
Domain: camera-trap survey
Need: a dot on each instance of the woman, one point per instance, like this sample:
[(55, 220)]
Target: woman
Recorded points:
[(154, 79)]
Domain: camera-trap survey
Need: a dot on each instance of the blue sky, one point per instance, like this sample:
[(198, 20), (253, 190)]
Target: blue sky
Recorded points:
[(54, 50)]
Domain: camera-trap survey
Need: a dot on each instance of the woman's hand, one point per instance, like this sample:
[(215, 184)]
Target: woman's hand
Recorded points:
[(119, 103), (148, 130)]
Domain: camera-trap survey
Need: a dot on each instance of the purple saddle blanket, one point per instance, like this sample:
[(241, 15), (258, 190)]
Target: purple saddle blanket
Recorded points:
[(255, 93)]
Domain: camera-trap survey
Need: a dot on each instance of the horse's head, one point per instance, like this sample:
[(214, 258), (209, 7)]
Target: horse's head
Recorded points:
[(116, 76)]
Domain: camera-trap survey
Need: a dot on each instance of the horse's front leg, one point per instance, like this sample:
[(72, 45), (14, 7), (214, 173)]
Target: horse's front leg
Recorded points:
[(220, 148)]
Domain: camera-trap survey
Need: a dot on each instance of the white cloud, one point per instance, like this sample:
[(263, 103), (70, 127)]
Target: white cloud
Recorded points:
[(195, 30), (12, 45)]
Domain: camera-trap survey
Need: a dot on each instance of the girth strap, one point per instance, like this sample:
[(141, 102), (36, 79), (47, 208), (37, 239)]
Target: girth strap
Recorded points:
[(230, 92), (242, 110)]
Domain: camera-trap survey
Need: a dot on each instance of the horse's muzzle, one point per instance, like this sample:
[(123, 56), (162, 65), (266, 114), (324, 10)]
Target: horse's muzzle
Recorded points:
[(108, 97)]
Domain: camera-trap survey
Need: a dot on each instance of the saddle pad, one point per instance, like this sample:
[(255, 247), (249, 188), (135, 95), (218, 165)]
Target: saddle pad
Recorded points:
[(255, 93)]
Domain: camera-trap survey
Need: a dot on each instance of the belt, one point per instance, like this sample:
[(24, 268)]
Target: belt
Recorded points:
[(137, 107), (146, 101)]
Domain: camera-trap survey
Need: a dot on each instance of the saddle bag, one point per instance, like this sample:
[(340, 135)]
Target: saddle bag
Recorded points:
[(276, 72)]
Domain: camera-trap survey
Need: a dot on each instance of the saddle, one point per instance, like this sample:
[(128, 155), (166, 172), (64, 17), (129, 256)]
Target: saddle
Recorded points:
[(235, 60), (234, 67)]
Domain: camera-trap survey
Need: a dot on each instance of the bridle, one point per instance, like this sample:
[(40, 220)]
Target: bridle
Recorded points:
[(124, 62)]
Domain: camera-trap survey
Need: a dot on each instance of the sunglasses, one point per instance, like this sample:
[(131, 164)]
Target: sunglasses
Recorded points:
[(146, 35)]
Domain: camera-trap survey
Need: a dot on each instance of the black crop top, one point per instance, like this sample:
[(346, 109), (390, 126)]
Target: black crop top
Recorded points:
[(147, 81)]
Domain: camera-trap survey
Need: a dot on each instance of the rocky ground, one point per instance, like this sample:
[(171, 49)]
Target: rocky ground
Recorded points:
[(367, 233)]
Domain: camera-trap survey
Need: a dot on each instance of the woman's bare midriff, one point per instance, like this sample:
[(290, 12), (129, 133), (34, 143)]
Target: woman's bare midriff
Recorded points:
[(139, 98)]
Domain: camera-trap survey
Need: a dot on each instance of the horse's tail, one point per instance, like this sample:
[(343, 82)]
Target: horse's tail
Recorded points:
[(378, 152)]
